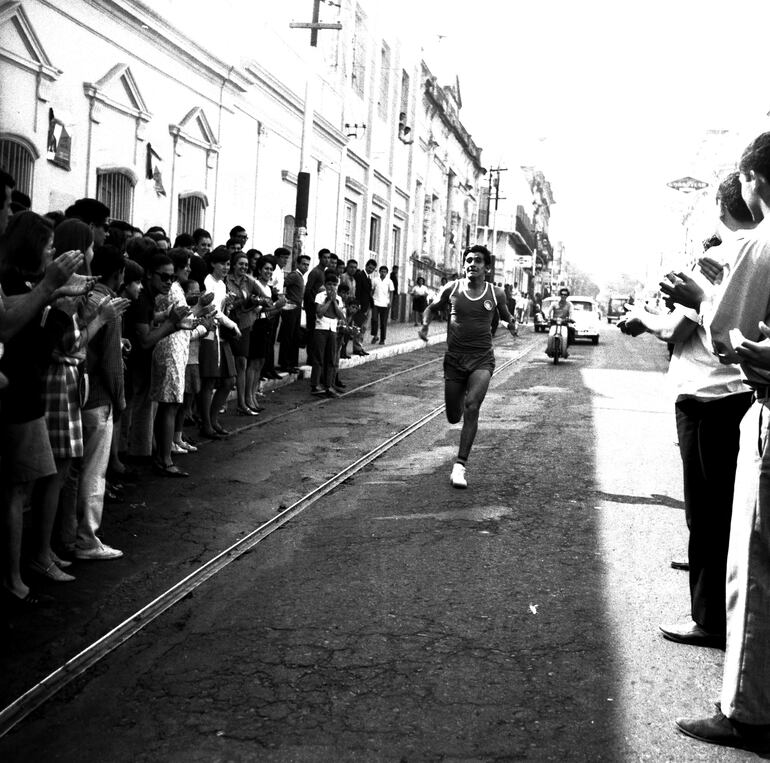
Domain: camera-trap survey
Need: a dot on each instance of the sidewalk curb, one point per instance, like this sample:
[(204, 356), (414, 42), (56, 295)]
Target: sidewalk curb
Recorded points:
[(377, 352)]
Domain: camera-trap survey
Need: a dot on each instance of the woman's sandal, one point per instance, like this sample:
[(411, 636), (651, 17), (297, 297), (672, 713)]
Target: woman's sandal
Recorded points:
[(51, 572), (169, 470)]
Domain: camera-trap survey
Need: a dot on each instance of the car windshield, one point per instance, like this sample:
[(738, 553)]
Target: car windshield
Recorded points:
[(582, 305)]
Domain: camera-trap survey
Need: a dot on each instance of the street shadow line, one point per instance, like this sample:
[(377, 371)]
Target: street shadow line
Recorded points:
[(654, 499)]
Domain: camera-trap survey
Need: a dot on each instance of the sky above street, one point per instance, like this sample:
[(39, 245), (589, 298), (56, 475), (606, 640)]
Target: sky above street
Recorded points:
[(611, 98)]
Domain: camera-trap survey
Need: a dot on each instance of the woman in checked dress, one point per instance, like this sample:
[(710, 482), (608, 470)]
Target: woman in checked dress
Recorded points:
[(64, 393)]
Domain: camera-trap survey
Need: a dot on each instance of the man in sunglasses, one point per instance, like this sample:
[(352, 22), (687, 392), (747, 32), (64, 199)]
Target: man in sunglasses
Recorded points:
[(469, 360)]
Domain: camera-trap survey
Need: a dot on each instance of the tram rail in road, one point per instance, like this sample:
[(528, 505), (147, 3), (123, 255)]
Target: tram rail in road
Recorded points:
[(41, 692)]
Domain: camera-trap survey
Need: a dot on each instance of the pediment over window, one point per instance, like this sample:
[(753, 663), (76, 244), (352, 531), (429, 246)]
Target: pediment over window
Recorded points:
[(195, 128), (20, 44), (118, 89)]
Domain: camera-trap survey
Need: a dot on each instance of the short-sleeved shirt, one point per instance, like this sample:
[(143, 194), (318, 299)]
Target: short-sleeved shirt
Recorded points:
[(325, 323), (382, 288)]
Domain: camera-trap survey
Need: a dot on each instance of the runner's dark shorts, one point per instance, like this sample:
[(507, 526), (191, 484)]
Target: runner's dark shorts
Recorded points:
[(458, 366)]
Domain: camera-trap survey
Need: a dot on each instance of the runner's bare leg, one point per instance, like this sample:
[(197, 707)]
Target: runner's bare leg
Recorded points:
[(478, 383)]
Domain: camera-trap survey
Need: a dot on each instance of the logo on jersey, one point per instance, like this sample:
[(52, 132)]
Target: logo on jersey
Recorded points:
[(488, 306)]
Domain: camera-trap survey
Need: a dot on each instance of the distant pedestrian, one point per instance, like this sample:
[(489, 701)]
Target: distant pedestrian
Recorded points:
[(419, 294), (382, 294)]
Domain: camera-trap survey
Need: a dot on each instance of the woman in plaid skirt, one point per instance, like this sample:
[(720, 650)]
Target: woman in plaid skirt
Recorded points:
[(66, 389)]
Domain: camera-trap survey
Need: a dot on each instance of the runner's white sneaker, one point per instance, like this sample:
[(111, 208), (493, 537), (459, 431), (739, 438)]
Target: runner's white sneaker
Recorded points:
[(457, 479)]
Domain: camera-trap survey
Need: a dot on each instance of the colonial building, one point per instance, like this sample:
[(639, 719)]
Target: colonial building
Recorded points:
[(189, 126)]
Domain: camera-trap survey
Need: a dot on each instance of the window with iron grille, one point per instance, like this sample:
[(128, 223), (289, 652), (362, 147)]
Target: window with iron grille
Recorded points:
[(382, 103), (192, 212), (288, 231), (359, 55), (17, 160), (349, 243), (116, 189)]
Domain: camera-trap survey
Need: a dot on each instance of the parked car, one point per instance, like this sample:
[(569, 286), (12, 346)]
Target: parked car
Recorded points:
[(587, 317), (585, 313), (616, 309)]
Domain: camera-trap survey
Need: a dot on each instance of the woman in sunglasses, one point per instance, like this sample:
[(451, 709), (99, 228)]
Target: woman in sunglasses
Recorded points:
[(151, 325), (169, 358)]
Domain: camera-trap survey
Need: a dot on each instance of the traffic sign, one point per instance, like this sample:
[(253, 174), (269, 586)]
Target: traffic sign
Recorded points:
[(687, 184)]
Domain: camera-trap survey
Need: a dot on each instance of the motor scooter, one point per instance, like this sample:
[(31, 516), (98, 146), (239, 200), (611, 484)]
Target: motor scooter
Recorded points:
[(558, 339)]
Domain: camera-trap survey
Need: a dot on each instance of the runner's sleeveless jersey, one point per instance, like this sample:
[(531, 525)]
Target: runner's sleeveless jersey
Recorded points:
[(470, 320)]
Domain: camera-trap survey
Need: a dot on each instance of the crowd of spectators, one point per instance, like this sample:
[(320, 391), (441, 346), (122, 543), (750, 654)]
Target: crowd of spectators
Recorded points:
[(717, 332), (117, 343)]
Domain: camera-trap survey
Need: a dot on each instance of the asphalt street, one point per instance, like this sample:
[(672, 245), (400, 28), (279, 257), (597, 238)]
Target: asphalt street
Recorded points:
[(397, 618)]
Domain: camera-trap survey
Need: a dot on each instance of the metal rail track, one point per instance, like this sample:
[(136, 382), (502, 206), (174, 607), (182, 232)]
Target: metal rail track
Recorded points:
[(41, 692)]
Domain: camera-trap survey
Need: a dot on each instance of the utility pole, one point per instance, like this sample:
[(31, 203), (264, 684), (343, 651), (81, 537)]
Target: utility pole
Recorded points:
[(496, 183), (303, 176)]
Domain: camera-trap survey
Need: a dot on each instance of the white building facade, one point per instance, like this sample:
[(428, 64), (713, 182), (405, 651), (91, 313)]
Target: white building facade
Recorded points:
[(120, 101)]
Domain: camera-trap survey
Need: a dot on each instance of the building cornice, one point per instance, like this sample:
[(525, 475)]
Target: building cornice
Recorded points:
[(382, 178), (359, 160), (291, 101), (146, 23), (38, 61), (439, 100)]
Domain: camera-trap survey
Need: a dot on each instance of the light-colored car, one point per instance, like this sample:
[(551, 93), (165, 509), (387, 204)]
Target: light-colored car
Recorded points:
[(585, 313)]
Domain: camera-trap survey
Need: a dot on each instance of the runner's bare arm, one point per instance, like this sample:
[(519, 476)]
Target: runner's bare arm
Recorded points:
[(433, 309), (504, 312)]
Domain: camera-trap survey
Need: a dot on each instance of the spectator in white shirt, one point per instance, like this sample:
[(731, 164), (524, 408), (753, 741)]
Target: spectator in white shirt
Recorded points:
[(382, 293)]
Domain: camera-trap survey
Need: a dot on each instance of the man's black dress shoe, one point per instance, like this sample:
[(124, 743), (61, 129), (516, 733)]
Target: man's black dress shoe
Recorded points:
[(727, 732), (689, 632)]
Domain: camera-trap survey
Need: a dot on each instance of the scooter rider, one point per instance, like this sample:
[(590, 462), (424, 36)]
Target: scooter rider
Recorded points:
[(562, 309)]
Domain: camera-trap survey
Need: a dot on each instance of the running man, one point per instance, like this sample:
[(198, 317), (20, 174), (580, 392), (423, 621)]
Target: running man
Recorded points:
[(469, 360)]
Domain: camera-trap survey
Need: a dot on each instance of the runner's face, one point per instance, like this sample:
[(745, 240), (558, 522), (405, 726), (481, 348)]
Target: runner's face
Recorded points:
[(474, 265)]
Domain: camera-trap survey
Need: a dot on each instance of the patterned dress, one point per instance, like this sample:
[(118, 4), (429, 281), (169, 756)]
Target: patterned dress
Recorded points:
[(62, 396), (169, 357)]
